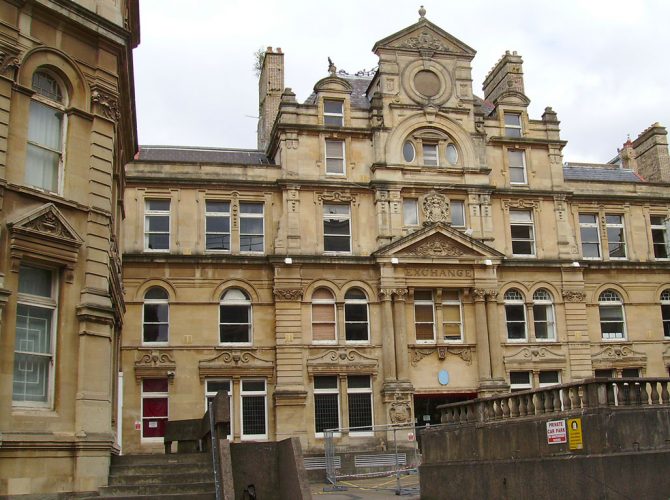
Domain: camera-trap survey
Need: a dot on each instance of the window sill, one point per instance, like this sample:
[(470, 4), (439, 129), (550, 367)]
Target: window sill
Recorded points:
[(254, 437), (151, 250), (235, 344)]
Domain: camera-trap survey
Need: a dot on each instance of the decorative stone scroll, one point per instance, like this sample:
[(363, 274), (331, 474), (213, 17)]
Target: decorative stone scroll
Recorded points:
[(618, 352), (155, 364), (521, 203), (336, 196), (463, 352), (535, 355), (287, 294), (342, 361), (573, 295), (9, 62), (106, 103), (236, 362)]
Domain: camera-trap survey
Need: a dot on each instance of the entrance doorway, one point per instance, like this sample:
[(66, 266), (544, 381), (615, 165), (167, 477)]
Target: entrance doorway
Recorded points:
[(425, 406)]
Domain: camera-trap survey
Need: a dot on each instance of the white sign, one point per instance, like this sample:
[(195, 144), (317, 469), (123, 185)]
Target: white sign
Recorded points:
[(556, 432), (153, 425)]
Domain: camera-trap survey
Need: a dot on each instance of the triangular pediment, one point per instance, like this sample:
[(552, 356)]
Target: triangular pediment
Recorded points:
[(437, 240), (46, 222), (425, 36)]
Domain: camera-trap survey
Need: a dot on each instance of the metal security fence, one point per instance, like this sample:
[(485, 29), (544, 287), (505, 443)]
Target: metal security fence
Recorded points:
[(367, 457)]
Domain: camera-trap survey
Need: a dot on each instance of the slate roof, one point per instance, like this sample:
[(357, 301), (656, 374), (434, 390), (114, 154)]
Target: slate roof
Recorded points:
[(483, 106), (183, 154), (599, 172), (358, 97)]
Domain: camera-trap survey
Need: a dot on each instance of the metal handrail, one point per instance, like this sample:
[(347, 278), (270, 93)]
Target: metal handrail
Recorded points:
[(215, 453)]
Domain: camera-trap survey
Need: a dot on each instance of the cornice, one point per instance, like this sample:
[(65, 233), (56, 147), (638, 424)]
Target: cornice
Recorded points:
[(531, 141)]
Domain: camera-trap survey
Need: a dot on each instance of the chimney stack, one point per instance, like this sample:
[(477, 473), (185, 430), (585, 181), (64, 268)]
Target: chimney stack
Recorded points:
[(504, 78), (651, 153), (270, 88)]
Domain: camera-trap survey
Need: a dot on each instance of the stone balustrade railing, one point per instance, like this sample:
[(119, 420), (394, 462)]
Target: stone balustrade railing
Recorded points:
[(587, 394)]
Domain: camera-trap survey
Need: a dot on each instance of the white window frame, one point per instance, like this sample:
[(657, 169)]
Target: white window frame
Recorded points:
[(211, 394), (160, 302), (430, 153), (361, 390), (338, 162), (332, 115), (251, 393), (511, 153), (153, 395), (50, 304), (660, 228), (541, 384), (424, 302), (665, 318), (590, 225), (616, 225), (237, 302), (457, 206), (328, 391), (546, 303), (216, 215), (149, 212), (252, 215), (514, 126), (40, 99), (410, 206), (324, 302), (357, 302), (337, 217), (446, 303), (516, 301), (518, 387), (612, 298), (530, 223)]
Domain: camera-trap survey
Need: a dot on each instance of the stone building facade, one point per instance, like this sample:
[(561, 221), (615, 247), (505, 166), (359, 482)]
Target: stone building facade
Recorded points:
[(395, 243), (67, 128)]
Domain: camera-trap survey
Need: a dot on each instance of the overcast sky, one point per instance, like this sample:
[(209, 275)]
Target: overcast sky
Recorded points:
[(602, 65)]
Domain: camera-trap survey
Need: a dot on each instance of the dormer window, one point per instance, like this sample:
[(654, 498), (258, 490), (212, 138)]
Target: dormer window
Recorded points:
[(429, 147), (513, 125), (333, 113)]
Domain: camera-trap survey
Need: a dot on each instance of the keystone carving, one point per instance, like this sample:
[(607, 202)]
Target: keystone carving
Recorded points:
[(287, 294), (573, 295), (107, 104)]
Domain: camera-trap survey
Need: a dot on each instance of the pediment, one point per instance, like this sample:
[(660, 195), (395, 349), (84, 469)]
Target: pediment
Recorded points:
[(155, 364), (425, 36), (618, 355), (535, 355), (513, 98), (439, 240), (333, 83), (342, 361), (230, 363), (46, 222)]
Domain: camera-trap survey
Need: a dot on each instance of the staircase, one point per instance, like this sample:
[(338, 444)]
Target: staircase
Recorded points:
[(183, 476)]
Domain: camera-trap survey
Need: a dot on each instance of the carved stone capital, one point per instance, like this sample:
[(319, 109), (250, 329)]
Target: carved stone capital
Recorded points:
[(287, 294), (400, 293), (479, 294), (573, 295), (106, 104), (492, 294), (9, 62), (386, 293)]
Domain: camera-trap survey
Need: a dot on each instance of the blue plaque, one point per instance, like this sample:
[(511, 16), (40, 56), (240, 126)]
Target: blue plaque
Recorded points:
[(443, 377)]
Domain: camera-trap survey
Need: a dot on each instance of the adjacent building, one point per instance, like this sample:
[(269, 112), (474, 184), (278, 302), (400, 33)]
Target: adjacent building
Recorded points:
[(396, 242), (67, 128)]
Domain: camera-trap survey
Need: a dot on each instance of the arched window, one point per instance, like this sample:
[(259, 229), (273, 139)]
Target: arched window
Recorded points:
[(44, 154), (665, 312), (356, 316), (612, 322), (156, 321), (323, 316), (543, 315), (235, 317), (515, 315)]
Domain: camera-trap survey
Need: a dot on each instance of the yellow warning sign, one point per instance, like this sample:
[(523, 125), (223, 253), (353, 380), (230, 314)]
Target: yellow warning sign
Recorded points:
[(575, 434)]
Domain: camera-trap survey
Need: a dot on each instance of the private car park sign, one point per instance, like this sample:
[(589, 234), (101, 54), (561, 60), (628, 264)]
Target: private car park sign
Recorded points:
[(556, 432)]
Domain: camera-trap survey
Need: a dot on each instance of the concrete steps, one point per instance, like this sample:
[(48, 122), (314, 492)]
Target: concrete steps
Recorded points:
[(183, 476)]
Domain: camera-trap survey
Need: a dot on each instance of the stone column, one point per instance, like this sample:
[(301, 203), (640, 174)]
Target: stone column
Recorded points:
[(400, 327), (497, 368), (388, 336), (530, 322), (481, 327)]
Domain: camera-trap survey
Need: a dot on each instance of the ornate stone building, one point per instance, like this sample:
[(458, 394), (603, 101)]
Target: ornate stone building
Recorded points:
[(67, 127), (396, 242)]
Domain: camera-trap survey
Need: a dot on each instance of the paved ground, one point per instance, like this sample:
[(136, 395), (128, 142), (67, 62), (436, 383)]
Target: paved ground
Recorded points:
[(379, 488)]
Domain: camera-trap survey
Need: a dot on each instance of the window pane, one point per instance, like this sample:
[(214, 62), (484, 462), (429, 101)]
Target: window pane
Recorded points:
[(234, 333), (234, 314), (457, 214), (217, 206), (158, 205), (35, 281), (253, 415), (408, 152), (423, 313), (515, 158), (424, 331), (217, 242), (328, 382), (519, 378), (356, 312), (430, 154), (323, 331), (31, 377), (550, 377), (323, 312), (154, 385), (334, 149), (251, 208), (360, 410), (253, 385), (251, 226), (357, 331), (515, 313), (44, 126), (33, 329), (157, 223), (358, 382), (410, 212), (42, 168), (251, 243), (218, 224), (332, 106), (326, 412), (158, 241), (518, 175), (155, 332), (336, 244)]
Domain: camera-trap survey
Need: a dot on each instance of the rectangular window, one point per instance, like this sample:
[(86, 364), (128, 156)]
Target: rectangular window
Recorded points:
[(519, 381), (35, 337), (44, 153), (630, 372), (359, 396), (424, 316), (512, 125), (604, 373), (616, 240), (523, 233), (590, 235), (217, 225), (452, 316), (457, 209), (659, 236), (214, 386), (252, 224), (326, 404), (323, 316), (157, 225), (335, 157), (548, 378), (253, 395), (517, 166), (333, 112), (154, 407), (543, 316), (410, 212), (336, 228), (430, 155)]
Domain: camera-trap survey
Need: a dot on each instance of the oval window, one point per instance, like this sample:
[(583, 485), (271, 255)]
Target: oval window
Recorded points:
[(408, 152), (452, 154)]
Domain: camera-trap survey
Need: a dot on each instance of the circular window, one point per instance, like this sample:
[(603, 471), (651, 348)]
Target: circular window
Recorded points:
[(427, 83), (452, 154), (408, 152)]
